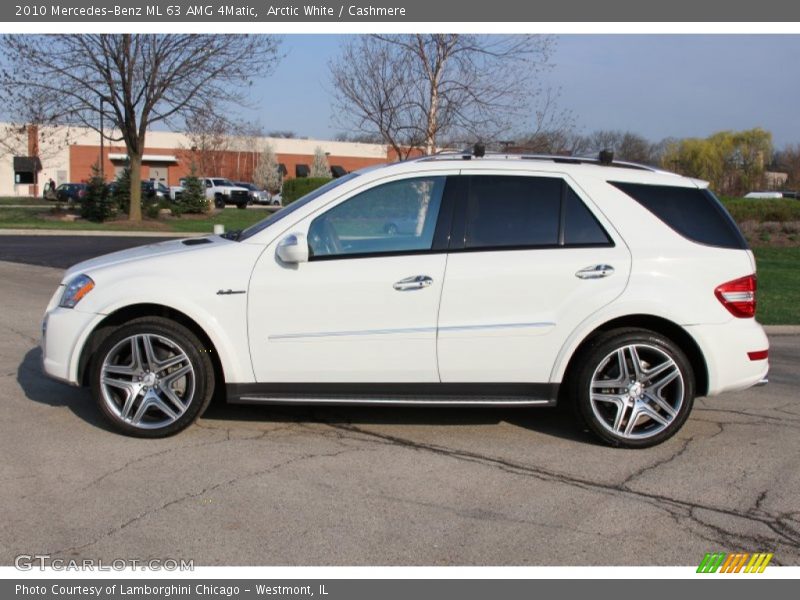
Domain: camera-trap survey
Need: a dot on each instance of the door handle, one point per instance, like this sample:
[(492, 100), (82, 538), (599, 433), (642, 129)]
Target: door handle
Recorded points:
[(415, 282), (595, 272)]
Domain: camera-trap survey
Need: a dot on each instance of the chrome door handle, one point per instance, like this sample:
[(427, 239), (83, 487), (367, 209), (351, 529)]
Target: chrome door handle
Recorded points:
[(595, 272), (415, 282)]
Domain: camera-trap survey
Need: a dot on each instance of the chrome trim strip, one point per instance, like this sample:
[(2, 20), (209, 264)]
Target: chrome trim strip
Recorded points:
[(323, 334), (388, 401), (496, 326), (446, 328)]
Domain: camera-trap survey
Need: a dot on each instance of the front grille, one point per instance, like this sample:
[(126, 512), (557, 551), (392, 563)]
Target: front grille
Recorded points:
[(239, 195)]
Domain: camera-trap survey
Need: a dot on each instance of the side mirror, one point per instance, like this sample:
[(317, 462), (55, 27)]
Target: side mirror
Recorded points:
[(293, 248)]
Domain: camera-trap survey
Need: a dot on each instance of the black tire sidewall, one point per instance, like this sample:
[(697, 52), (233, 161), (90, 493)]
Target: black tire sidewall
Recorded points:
[(198, 356), (589, 359)]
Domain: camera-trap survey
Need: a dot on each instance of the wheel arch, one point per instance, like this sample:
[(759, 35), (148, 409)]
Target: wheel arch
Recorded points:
[(665, 327), (134, 311)]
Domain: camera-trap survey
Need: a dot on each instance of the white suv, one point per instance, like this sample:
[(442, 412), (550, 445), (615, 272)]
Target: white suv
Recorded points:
[(525, 281)]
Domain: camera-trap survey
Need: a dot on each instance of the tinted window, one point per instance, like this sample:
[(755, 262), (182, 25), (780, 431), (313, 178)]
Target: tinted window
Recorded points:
[(580, 226), (694, 213), (399, 216), (507, 211)]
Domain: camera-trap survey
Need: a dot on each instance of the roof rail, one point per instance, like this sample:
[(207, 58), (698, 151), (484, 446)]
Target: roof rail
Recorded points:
[(570, 160)]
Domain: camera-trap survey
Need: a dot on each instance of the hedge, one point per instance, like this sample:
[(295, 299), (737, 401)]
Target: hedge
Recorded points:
[(300, 186)]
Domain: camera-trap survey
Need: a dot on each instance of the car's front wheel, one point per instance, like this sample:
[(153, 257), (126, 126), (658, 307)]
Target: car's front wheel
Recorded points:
[(152, 377), (632, 387)]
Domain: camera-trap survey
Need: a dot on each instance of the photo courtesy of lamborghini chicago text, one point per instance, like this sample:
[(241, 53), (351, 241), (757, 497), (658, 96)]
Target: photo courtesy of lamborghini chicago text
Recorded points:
[(405, 299)]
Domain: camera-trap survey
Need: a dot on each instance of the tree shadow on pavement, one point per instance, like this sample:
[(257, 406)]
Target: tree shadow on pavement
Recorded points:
[(40, 388)]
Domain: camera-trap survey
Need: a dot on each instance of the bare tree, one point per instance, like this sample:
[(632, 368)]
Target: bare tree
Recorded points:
[(134, 80), (414, 90), (626, 145), (210, 136)]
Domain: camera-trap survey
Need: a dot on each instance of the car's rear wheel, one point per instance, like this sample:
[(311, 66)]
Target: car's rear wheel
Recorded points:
[(632, 387), (152, 377)]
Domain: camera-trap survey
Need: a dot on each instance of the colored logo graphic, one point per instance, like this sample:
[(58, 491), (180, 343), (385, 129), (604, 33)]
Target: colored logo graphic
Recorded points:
[(743, 562)]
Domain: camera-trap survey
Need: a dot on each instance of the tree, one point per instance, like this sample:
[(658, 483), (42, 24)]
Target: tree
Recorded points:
[(788, 161), (96, 205), (626, 145), (135, 81), (209, 133), (732, 161), (415, 90), (320, 168), (267, 174), (193, 198)]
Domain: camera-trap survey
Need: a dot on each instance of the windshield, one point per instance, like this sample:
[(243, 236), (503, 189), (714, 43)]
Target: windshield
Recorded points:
[(222, 183), (297, 204)]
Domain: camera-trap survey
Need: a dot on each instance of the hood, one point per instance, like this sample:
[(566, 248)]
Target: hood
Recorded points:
[(180, 246)]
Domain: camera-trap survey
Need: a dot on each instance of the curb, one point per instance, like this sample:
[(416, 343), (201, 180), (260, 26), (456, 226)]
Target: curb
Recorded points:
[(782, 329), (100, 233)]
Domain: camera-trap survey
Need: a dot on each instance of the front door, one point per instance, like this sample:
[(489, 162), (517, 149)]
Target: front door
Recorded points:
[(364, 308)]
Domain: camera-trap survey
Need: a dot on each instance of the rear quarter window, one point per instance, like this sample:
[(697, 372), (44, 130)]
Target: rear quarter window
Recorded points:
[(694, 213)]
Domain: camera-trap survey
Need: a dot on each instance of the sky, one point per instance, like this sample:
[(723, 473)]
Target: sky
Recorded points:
[(655, 85)]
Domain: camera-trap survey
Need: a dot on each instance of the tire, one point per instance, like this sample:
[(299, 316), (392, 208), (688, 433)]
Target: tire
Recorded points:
[(219, 201), (242, 205), (171, 382), (625, 405)]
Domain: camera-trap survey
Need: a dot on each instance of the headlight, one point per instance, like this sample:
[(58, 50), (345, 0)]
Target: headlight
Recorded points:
[(76, 289)]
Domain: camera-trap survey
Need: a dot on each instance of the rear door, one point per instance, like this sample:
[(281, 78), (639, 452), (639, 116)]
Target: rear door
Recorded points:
[(530, 258)]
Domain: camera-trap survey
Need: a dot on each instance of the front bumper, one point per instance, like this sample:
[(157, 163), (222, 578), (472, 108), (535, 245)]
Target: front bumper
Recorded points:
[(64, 333), (725, 348)]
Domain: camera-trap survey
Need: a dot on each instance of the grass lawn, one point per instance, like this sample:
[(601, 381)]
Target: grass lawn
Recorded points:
[(22, 200), (37, 218), (778, 285)]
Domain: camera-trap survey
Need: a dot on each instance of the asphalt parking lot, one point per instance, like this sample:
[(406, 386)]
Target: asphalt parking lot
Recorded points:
[(385, 486)]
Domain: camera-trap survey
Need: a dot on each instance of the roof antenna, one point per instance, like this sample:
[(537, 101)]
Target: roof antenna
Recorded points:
[(606, 157), (479, 150)]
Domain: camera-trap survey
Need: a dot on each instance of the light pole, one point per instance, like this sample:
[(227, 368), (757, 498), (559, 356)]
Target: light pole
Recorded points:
[(102, 142)]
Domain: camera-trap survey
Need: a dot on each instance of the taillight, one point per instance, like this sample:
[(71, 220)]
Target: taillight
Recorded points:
[(739, 296)]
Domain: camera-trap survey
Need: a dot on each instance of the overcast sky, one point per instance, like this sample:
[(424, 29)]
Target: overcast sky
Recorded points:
[(656, 85)]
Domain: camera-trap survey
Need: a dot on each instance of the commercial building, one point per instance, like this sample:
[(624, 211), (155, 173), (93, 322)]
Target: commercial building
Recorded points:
[(30, 156)]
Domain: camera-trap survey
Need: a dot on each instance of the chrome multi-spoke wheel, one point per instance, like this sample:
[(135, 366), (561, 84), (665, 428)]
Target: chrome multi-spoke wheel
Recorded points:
[(637, 391), (633, 388), (147, 380), (152, 377)]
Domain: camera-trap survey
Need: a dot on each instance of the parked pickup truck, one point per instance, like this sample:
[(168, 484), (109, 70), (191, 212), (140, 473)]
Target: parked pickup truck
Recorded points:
[(219, 190)]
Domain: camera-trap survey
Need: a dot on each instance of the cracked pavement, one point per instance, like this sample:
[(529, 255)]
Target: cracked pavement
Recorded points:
[(386, 486)]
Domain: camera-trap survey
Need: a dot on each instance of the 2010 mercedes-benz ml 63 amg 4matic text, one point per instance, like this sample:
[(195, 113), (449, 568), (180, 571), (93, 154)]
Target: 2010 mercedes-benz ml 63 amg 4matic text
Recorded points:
[(514, 281)]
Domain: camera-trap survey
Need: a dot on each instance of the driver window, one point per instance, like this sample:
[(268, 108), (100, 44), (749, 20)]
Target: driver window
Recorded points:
[(399, 216)]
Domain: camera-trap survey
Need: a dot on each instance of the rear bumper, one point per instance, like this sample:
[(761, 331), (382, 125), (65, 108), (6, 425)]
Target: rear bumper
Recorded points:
[(725, 348)]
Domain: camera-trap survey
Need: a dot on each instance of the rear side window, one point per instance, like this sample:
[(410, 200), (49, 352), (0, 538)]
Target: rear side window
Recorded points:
[(694, 213), (580, 226), (505, 211)]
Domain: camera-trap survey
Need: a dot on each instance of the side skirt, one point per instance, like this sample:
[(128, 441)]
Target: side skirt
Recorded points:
[(395, 394)]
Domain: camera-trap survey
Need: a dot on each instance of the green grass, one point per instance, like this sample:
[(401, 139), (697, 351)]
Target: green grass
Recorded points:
[(778, 285), (22, 200), (34, 218)]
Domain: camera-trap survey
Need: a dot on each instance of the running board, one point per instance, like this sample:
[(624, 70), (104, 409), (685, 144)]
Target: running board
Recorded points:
[(395, 394)]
